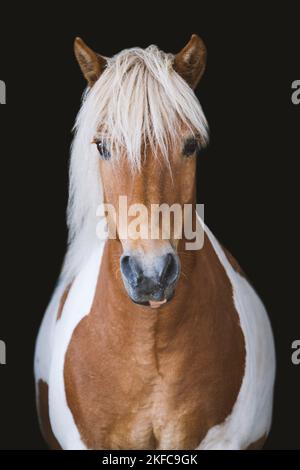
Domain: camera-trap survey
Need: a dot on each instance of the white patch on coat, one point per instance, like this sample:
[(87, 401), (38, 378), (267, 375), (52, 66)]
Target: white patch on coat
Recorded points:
[(45, 339), (52, 344), (251, 416), (78, 304)]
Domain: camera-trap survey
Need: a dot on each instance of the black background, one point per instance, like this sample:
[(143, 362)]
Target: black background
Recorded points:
[(248, 176)]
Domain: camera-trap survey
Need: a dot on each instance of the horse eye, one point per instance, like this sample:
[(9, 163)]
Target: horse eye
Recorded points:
[(190, 147), (103, 150)]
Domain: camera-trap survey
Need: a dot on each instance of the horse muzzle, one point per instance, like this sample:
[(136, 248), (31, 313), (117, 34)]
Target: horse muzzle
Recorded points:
[(150, 281)]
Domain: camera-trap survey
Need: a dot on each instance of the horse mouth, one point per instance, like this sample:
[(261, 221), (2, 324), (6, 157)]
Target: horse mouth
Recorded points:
[(154, 304)]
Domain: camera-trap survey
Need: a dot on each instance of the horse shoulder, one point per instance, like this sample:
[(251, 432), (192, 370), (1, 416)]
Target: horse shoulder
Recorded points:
[(250, 418)]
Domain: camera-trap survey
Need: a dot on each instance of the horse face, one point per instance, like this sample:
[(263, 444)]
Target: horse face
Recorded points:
[(153, 216), (165, 178)]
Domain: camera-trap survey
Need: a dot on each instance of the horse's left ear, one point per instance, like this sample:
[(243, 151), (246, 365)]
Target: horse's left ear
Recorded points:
[(190, 62), (91, 64)]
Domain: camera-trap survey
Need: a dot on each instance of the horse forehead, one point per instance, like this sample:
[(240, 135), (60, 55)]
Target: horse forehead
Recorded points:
[(152, 170)]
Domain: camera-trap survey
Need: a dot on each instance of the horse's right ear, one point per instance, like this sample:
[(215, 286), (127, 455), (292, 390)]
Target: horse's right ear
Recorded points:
[(91, 64)]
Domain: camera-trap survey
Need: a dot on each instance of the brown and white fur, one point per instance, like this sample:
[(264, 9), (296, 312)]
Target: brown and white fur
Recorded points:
[(196, 373)]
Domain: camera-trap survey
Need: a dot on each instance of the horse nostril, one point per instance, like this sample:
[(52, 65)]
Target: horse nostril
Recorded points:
[(170, 269), (124, 262), (131, 270)]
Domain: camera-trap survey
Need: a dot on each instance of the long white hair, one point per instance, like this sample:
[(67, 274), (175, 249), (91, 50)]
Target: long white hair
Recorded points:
[(138, 99)]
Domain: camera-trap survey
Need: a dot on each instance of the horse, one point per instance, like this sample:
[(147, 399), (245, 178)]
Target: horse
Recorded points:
[(146, 344)]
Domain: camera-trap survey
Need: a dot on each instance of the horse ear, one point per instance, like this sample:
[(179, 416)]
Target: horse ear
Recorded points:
[(190, 62), (91, 64)]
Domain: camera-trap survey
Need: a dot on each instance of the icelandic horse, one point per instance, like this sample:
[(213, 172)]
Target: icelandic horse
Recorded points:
[(146, 344)]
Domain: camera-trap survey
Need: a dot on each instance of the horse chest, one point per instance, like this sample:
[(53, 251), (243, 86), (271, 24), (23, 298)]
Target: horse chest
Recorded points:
[(138, 381), (157, 422), (126, 402)]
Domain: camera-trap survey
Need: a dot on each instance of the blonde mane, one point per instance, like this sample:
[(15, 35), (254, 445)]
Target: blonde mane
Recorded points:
[(138, 99)]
